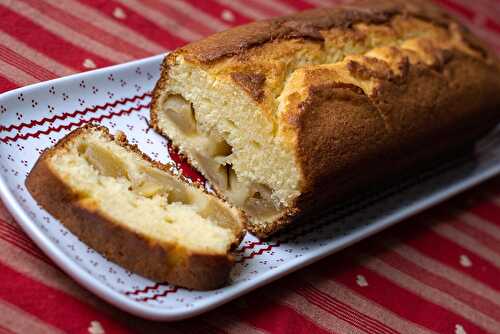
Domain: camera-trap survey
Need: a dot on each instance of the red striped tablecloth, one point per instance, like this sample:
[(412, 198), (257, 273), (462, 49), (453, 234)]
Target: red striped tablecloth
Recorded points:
[(439, 272)]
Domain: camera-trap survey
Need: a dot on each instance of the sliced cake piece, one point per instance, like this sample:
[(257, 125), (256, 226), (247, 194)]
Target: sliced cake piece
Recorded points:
[(135, 211), (289, 114)]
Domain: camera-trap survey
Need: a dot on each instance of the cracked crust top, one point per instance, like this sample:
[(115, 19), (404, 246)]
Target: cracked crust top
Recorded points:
[(309, 25)]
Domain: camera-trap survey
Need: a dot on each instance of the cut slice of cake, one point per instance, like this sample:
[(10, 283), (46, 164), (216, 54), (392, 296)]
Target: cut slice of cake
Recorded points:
[(135, 211)]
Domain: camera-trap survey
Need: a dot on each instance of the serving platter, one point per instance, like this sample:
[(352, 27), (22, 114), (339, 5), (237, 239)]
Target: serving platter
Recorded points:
[(35, 117)]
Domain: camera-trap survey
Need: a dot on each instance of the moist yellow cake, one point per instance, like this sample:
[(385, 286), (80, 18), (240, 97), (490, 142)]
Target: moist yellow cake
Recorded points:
[(292, 113), (135, 211)]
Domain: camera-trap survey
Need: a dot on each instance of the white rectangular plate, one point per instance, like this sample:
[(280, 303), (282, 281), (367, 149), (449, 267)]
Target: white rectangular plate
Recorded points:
[(35, 117)]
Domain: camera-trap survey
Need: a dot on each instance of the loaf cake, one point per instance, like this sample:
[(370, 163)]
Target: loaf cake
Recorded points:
[(290, 114), (136, 212)]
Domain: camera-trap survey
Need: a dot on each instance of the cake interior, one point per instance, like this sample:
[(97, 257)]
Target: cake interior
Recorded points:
[(243, 171), (123, 187)]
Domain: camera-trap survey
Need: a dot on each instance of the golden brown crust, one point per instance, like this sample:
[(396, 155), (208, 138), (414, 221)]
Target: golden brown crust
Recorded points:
[(128, 248), (347, 141), (377, 114), (252, 83), (340, 128), (306, 25)]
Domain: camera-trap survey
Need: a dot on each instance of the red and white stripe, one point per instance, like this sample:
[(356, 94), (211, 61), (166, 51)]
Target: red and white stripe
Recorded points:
[(116, 29), (62, 27), (23, 51), (172, 24), (199, 16)]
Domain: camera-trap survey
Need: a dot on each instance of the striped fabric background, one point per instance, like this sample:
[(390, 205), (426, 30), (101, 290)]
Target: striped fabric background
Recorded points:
[(436, 273)]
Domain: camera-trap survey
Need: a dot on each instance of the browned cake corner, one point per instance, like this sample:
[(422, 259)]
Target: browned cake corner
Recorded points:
[(135, 211), (289, 114)]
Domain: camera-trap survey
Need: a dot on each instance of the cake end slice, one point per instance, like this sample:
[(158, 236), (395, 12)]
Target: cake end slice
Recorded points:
[(135, 211)]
